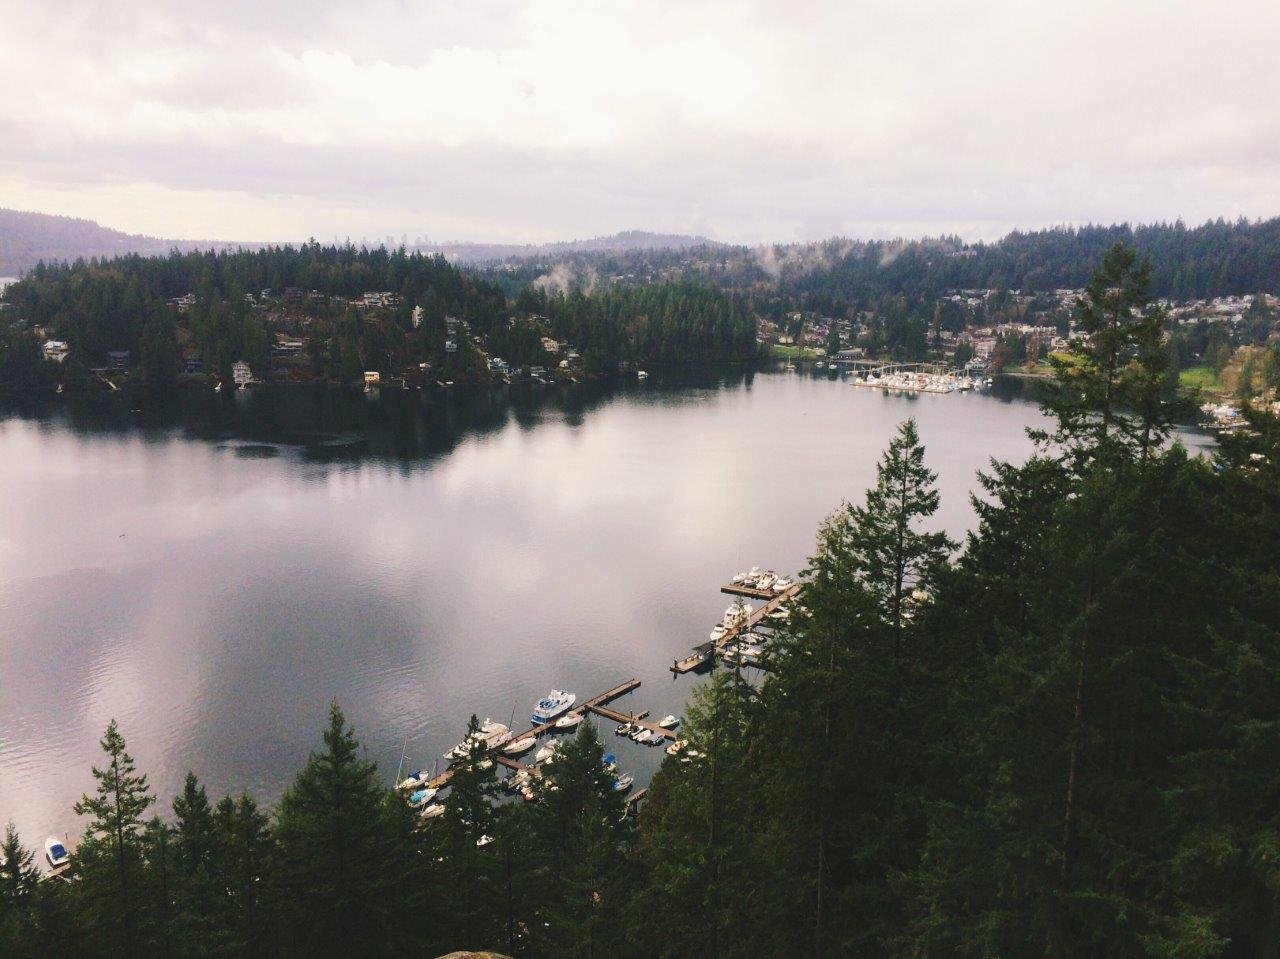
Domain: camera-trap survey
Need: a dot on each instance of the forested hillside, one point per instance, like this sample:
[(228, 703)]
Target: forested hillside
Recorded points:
[(1215, 259), (1059, 737), (230, 306)]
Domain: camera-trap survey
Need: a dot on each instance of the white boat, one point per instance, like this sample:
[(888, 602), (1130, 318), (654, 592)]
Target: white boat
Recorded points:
[(765, 581), (641, 375), (491, 727), (669, 722), (676, 746), (413, 780), (738, 579), (717, 632), (737, 614), (56, 853), (484, 840), (623, 783), (568, 721), (782, 584), (432, 811), (520, 746), (623, 730), (639, 734), (546, 754), (556, 702)]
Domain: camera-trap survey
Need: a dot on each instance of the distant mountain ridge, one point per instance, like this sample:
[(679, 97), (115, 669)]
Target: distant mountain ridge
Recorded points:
[(27, 238)]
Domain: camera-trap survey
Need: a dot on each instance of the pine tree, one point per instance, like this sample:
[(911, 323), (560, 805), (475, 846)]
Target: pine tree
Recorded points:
[(110, 853), (893, 558), (19, 879), (339, 849)]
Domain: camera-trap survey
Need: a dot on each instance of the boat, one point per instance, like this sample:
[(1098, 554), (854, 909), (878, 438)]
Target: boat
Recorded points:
[(568, 721), (766, 581), (432, 811), (422, 796), (737, 614), (623, 730), (639, 734), (641, 375), (520, 746), (669, 722), (717, 632), (546, 754), (738, 579), (528, 794), (676, 746), (623, 783), (611, 762), (484, 840), (782, 584), (413, 780), (56, 853), (655, 739), (556, 702)]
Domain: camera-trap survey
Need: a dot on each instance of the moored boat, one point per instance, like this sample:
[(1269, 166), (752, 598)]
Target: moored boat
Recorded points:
[(55, 853), (623, 783), (556, 702), (432, 811), (669, 722), (520, 746), (569, 721)]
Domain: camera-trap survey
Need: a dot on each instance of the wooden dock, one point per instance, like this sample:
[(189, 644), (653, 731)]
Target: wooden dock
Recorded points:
[(537, 731), (706, 652), (617, 717)]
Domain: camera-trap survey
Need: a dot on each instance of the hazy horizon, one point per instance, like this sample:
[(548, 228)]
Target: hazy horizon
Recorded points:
[(528, 121)]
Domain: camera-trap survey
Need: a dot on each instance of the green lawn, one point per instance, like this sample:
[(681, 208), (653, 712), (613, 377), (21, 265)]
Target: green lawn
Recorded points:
[(794, 352), (1199, 377)]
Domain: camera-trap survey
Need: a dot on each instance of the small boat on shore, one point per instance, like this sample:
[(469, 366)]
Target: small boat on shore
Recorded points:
[(676, 746), (432, 811), (55, 853)]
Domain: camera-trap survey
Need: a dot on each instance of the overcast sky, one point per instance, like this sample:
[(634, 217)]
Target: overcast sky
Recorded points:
[(550, 119)]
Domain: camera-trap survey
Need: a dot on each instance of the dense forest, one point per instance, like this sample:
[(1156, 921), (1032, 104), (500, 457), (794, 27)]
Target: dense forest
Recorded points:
[(1215, 259), (242, 299), (1059, 737)]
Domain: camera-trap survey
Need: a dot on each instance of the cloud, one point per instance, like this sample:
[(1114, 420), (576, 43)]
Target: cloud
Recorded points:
[(539, 119)]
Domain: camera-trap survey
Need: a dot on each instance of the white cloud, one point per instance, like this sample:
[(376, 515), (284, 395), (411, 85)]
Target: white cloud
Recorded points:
[(566, 117)]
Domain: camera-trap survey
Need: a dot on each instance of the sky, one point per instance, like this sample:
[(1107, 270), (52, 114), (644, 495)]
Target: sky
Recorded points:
[(534, 120)]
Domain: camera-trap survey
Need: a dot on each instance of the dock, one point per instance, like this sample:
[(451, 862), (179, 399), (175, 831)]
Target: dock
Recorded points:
[(706, 652), (750, 592), (591, 705), (614, 716)]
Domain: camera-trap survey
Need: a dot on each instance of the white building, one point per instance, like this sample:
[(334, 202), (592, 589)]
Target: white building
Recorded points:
[(241, 373), (56, 350)]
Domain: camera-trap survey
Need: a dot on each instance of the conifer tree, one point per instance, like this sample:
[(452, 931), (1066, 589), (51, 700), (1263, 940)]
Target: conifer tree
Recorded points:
[(339, 850), (110, 852), (891, 555), (19, 878)]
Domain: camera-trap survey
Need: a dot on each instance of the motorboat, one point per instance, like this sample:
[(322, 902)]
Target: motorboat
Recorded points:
[(610, 762), (641, 375), (717, 632), (669, 722), (623, 783), (569, 721), (432, 811), (520, 746), (782, 584), (766, 581), (422, 797), (56, 853), (738, 579), (556, 702), (737, 614), (655, 739), (546, 754), (624, 729), (484, 840), (676, 746)]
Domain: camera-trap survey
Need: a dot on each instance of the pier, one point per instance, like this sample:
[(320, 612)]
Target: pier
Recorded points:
[(591, 705), (705, 652)]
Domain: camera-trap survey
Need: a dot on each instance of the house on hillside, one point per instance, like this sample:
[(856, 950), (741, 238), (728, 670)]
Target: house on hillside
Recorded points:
[(241, 373), (56, 350)]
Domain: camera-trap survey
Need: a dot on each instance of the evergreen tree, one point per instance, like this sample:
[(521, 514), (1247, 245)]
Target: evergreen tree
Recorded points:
[(339, 850), (109, 857)]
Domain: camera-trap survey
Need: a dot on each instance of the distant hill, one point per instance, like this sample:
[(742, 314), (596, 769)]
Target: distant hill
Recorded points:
[(617, 243), (27, 238)]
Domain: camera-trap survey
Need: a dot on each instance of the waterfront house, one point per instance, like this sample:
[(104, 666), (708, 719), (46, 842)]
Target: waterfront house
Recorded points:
[(241, 374), (56, 350)]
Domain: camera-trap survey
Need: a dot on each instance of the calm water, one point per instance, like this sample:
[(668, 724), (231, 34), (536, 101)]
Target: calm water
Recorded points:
[(202, 578)]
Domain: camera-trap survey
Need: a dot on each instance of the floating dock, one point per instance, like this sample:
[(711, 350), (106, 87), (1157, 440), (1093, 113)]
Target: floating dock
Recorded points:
[(537, 731), (705, 652)]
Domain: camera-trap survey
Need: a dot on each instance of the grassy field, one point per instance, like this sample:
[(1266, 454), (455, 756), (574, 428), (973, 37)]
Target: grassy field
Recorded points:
[(795, 353), (1199, 377)]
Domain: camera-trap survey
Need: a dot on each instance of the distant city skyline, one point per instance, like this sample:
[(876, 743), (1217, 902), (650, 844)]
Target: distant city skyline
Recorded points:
[(541, 120)]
